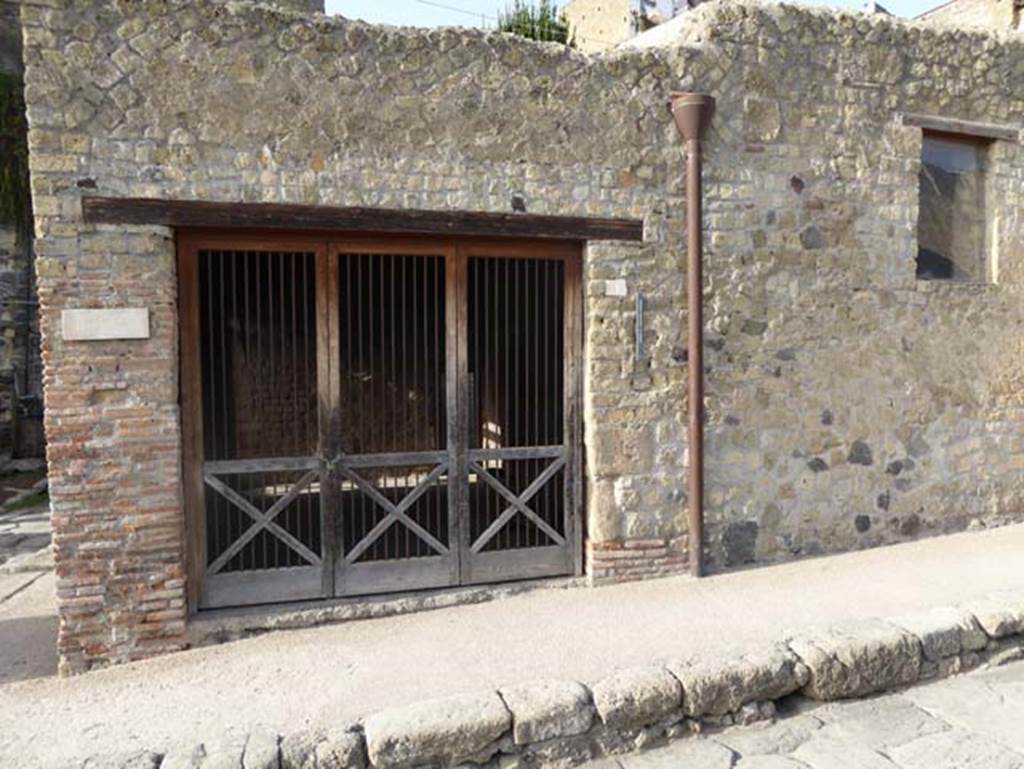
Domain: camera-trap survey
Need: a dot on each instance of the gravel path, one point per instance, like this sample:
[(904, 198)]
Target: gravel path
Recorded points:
[(334, 674), (974, 721)]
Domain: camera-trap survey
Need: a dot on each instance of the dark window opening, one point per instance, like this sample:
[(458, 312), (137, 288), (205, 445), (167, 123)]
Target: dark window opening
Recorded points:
[(952, 221)]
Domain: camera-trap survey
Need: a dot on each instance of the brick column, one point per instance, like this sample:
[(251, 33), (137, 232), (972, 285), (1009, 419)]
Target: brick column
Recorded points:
[(113, 434)]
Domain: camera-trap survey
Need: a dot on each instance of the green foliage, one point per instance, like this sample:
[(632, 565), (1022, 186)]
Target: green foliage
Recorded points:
[(15, 193), (35, 499), (541, 22)]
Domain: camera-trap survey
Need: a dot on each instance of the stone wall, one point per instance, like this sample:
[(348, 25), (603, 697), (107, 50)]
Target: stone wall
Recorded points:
[(849, 405), (998, 15)]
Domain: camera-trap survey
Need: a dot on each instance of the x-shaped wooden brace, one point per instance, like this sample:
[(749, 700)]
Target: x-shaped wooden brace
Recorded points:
[(517, 503), (394, 512), (261, 520)]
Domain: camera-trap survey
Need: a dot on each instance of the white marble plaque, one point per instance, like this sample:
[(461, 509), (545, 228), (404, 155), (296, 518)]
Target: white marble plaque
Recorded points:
[(615, 287), (98, 325)]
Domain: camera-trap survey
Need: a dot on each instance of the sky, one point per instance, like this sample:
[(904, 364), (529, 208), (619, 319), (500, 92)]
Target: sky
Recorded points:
[(435, 13)]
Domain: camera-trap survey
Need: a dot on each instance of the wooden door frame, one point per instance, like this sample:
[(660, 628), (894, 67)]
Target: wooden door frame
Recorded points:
[(188, 245), (398, 572), (190, 241), (571, 255)]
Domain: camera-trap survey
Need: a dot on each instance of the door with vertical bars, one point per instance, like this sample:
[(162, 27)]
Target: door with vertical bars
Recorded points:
[(373, 415)]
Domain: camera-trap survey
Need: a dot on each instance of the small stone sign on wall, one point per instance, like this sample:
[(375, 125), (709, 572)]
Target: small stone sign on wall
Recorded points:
[(94, 325)]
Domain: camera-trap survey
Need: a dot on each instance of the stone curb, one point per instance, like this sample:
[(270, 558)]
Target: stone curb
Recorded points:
[(563, 722), (223, 625)]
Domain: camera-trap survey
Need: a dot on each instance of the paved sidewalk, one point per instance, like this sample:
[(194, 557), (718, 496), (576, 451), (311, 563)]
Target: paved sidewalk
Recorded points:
[(974, 721), (28, 610), (28, 627), (23, 533), (335, 674)]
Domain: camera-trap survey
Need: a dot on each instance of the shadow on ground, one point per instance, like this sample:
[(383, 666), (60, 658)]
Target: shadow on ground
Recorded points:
[(28, 648)]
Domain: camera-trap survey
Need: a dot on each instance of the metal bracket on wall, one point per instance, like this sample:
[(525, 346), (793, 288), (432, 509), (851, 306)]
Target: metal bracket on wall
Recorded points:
[(641, 370), (639, 329)]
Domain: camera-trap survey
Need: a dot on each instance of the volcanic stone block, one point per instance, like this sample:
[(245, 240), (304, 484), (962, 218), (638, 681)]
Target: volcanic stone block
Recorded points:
[(637, 696), (719, 685), (547, 709), (858, 658), (445, 731)]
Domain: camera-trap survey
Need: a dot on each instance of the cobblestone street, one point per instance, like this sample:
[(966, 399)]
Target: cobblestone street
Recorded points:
[(967, 722)]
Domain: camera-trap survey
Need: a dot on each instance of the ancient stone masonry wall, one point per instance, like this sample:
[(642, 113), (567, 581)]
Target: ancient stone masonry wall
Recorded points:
[(239, 102), (848, 405)]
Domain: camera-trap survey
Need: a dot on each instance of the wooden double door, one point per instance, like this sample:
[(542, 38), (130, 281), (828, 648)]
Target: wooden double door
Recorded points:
[(370, 415)]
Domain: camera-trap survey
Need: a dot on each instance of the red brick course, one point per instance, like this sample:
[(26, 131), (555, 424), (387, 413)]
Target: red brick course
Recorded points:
[(628, 560)]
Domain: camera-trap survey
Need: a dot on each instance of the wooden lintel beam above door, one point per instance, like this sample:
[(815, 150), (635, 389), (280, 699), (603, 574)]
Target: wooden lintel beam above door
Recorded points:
[(203, 213)]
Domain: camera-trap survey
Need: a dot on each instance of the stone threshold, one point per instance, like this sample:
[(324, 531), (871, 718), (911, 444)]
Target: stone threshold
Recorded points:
[(559, 723), (223, 625)]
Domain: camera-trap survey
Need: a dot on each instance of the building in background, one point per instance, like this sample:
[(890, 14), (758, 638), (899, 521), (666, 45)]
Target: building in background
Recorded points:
[(602, 24), (981, 14), (302, 6)]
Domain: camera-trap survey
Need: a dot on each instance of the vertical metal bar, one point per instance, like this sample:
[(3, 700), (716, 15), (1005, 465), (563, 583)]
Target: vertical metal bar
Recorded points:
[(223, 355), (223, 379), (484, 354), (373, 299), (257, 359), (420, 414), (549, 370), (211, 419), (517, 405), (442, 430), (354, 351), (359, 313), (411, 315), (307, 442), (296, 507), (390, 405), (275, 338), (398, 352), (535, 396), (491, 266), (261, 544), (300, 505), (244, 325), (456, 368), (571, 271), (550, 355)]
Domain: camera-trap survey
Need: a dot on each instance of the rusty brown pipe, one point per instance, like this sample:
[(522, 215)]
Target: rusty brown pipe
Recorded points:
[(692, 111)]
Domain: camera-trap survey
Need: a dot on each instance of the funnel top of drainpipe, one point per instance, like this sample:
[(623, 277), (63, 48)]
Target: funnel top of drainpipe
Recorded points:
[(692, 112)]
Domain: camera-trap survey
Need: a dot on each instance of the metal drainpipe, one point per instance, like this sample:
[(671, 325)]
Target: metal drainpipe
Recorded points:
[(692, 112)]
